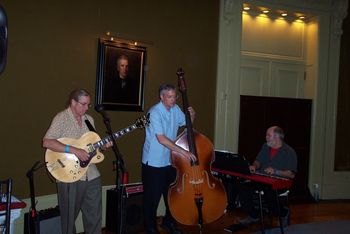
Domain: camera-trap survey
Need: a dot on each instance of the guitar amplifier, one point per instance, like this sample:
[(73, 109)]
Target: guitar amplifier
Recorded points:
[(46, 221), (132, 213)]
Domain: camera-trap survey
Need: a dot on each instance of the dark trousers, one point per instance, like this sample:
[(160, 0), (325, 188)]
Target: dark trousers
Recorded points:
[(232, 193), (84, 196), (156, 183)]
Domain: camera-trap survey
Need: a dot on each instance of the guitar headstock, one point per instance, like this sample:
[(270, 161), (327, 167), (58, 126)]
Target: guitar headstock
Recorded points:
[(143, 121)]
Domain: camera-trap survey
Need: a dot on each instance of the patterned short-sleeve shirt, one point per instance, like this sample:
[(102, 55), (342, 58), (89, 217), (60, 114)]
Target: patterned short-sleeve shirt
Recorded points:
[(65, 125)]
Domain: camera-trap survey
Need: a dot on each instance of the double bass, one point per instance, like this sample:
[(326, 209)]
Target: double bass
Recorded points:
[(196, 197)]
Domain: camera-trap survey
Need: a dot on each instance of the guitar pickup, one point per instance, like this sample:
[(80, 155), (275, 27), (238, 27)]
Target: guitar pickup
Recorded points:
[(61, 163)]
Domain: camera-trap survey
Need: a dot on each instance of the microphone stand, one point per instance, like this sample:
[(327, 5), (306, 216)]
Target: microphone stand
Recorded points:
[(119, 167)]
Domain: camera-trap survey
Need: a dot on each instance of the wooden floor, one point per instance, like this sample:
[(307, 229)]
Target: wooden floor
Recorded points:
[(300, 213)]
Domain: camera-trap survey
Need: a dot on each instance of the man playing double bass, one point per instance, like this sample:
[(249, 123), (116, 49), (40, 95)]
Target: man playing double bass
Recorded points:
[(166, 118)]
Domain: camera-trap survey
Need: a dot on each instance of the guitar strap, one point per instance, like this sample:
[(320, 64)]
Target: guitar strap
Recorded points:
[(89, 125)]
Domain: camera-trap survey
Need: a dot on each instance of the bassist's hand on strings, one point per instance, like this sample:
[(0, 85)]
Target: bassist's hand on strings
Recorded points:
[(172, 146), (191, 157), (192, 113)]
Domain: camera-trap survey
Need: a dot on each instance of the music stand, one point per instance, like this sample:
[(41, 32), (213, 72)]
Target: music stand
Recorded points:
[(237, 162)]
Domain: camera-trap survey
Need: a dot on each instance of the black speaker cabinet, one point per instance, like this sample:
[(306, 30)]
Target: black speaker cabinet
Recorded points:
[(3, 39), (132, 212), (47, 221)]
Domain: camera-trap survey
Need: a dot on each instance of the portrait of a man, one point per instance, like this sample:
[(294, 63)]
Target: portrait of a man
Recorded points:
[(121, 87), (121, 76)]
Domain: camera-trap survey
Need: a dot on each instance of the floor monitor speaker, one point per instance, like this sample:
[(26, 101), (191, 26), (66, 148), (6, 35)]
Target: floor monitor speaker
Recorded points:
[(3, 38), (46, 221)]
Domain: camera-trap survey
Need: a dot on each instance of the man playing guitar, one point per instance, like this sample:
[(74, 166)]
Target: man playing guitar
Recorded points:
[(85, 194)]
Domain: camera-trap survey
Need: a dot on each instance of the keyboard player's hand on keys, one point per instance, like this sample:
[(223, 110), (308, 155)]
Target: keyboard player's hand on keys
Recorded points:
[(252, 168), (270, 171)]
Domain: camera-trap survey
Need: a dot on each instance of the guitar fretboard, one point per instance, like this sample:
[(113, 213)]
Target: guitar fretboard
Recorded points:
[(118, 134)]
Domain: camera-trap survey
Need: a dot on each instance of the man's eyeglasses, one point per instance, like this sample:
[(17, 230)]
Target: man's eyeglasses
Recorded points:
[(172, 97), (85, 104)]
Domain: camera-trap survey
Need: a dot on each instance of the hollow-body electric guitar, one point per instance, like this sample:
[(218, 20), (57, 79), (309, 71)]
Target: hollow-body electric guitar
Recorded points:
[(69, 168)]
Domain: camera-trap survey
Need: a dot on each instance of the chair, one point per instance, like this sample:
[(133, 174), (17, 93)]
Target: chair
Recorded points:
[(5, 205)]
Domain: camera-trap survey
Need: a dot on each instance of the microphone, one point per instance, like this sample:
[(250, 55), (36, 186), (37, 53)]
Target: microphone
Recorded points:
[(100, 109)]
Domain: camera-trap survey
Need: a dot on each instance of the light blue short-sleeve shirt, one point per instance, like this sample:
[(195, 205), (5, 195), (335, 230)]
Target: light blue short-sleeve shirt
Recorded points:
[(162, 122)]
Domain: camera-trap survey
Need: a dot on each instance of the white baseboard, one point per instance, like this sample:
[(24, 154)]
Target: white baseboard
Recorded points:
[(49, 201)]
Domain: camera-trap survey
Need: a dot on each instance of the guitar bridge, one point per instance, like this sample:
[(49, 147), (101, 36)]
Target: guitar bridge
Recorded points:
[(90, 148)]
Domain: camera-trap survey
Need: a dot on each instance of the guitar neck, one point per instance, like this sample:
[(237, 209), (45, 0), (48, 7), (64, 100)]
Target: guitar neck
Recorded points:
[(116, 135)]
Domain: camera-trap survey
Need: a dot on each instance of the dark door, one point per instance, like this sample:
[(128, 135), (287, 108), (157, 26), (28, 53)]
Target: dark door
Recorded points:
[(293, 116)]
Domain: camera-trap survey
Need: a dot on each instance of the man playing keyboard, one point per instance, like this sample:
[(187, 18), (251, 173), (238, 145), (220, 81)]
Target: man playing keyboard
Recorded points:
[(275, 158)]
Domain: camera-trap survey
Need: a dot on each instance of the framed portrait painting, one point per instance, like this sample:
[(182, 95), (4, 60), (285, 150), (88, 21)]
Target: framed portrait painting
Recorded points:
[(120, 76)]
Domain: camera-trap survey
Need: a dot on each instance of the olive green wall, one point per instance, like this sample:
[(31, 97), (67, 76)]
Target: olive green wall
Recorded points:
[(52, 49)]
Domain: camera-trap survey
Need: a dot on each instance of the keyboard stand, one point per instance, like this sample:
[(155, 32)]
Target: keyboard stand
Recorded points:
[(260, 194), (275, 183), (279, 212)]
